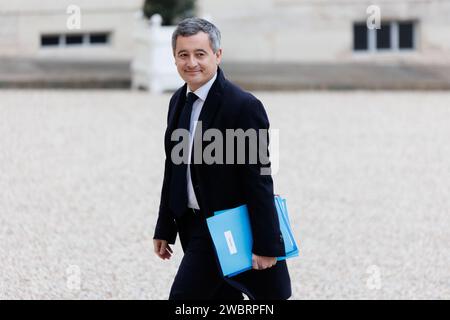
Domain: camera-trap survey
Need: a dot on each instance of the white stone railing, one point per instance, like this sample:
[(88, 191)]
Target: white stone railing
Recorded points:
[(153, 66)]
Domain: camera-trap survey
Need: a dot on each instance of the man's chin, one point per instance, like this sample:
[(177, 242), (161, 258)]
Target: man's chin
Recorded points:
[(195, 82), (192, 75)]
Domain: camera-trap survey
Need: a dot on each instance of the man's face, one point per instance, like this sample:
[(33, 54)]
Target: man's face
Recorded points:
[(195, 60)]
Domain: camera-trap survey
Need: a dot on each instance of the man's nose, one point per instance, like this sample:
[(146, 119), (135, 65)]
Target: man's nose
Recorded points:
[(192, 62)]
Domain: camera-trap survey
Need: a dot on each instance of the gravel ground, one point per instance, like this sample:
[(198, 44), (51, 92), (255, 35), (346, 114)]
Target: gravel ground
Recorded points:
[(366, 176)]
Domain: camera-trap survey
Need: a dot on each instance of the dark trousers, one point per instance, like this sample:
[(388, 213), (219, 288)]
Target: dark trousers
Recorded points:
[(199, 276)]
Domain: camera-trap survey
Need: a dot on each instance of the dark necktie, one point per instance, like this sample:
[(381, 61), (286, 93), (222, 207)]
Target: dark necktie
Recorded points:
[(178, 183)]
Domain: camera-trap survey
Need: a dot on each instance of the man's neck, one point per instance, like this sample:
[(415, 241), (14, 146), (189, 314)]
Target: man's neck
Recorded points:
[(207, 83)]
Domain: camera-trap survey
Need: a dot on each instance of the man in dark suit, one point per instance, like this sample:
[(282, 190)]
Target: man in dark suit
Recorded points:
[(192, 190)]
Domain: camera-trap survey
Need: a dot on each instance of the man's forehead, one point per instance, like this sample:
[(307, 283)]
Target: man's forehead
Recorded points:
[(195, 42)]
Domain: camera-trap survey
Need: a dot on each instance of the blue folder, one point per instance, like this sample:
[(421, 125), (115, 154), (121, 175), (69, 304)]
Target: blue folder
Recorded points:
[(231, 233)]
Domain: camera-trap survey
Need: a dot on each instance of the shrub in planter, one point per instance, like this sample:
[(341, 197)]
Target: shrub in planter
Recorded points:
[(171, 11)]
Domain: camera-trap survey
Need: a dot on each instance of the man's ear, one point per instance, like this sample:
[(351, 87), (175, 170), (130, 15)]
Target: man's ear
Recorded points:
[(219, 56)]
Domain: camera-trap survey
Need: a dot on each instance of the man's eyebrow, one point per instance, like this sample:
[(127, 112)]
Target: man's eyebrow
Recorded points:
[(196, 50)]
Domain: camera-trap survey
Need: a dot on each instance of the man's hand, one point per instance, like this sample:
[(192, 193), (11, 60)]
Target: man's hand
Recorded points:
[(162, 249), (261, 262)]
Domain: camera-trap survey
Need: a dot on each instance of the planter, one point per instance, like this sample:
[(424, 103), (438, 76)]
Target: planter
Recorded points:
[(153, 66)]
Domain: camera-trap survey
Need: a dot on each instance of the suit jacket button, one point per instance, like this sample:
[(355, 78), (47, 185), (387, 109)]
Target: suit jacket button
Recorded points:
[(281, 238)]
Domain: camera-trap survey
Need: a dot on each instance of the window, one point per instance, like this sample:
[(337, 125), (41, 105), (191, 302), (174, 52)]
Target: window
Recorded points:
[(97, 38), (49, 40), (75, 39), (406, 35), (392, 36), (384, 37), (360, 36)]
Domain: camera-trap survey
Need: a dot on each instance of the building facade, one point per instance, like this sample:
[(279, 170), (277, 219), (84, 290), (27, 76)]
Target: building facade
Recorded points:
[(268, 44), (74, 30), (332, 31)]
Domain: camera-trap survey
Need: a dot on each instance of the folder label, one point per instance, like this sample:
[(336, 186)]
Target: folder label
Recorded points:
[(230, 242)]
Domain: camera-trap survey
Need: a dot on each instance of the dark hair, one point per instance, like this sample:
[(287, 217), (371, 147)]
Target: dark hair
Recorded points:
[(192, 26)]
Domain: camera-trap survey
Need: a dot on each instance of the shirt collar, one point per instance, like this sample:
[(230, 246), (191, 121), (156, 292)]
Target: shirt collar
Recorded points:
[(202, 92)]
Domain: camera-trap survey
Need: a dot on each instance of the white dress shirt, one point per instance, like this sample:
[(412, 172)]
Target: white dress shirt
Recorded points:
[(201, 93)]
